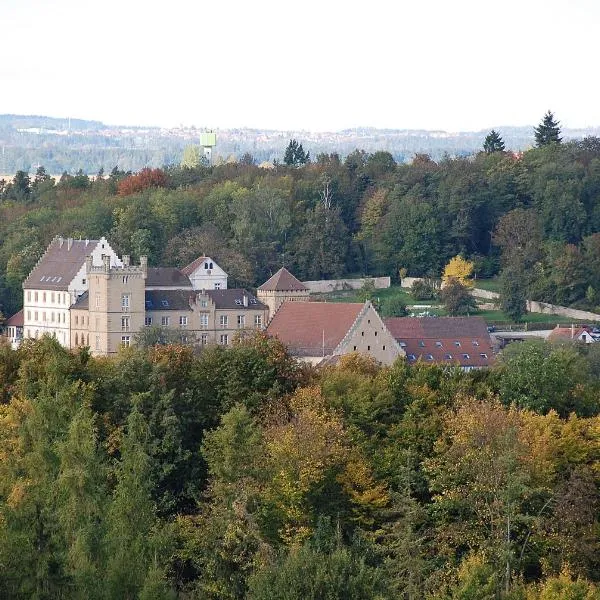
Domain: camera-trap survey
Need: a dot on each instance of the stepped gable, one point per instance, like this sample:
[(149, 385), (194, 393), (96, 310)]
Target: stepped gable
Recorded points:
[(189, 269), (167, 277), (313, 328), (283, 281), (234, 298), (59, 264)]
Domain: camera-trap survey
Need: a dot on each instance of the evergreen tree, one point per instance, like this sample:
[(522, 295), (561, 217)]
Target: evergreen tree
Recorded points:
[(548, 131), (493, 143), (294, 155)]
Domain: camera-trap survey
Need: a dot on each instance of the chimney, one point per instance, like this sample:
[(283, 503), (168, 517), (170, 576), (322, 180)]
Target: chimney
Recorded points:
[(125, 260), (69, 243), (88, 265), (572, 330), (87, 242), (245, 299), (144, 265), (60, 241), (106, 263)]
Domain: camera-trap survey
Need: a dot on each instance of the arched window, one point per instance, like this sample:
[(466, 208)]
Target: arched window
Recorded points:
[(76, 340)]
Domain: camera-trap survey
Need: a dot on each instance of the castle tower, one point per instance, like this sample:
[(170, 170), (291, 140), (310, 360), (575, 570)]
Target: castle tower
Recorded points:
[(282, 287), (116, 303)]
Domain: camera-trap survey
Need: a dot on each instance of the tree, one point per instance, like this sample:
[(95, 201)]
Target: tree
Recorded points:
[(493, 143), (513, 294), (456, 298), (191, 157), (294, 155), (548, 131), (460, 269)]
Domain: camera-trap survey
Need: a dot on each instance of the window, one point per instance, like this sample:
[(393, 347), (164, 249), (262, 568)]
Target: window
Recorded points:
[(125, 323), (183, 321), (258, 321), (35, 296), (354, 348), (210, 266), (83, 281), (448, 356), (475, 343), (204, 320), (368, 348), (29, 315), (375, 334), (206, 265), (217, 285), (483, 355), (429, 356), (36, 315), (97, 342), (148, 321), (411, 357), (76, 320), (165, 303), (164, 321), (203, 303), (224, 340), (223, 320), (126, 340), (52, 297), (204, 339), (457, 344), (438, 344), (44, 297), (421, 344), (97, 300), (241, 321), (402, 344), (28, 296), (76, 340), (125, 298), (125, 279), (384, 346), (466, 356), (52, 317), (44, 316)]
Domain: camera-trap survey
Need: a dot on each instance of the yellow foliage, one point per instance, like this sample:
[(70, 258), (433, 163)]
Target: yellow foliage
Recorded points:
[(460, 269)]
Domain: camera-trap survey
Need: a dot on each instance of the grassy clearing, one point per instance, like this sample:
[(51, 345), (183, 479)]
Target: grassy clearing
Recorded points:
[(490, 285), (495, 317)]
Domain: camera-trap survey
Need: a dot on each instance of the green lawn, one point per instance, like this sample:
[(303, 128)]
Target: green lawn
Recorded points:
[(496, 317), (491, 285)]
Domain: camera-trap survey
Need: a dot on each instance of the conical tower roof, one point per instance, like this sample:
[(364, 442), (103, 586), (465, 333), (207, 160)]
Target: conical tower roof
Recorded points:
[(283, 281)]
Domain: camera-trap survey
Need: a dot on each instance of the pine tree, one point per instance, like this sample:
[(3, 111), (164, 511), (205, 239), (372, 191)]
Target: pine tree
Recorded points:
[(294, 155), (548, 131), (493, 143)]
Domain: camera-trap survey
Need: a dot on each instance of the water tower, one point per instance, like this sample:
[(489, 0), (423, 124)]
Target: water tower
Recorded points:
[(208, 140)]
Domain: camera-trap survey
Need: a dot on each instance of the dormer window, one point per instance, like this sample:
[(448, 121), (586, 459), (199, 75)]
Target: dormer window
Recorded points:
[(211, 266), (206, 265)]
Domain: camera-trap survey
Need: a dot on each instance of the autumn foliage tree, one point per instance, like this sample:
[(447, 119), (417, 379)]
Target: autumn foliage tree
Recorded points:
[(146, 178)]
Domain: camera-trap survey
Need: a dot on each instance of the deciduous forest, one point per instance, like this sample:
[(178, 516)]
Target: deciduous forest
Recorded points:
[(535, 216), (238, 473), (170, 472)]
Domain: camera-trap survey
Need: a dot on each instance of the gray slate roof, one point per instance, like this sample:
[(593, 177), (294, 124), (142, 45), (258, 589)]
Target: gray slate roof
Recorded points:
[(233, 298), (167, 277), (82, 302), (59, 264), (168, 299)]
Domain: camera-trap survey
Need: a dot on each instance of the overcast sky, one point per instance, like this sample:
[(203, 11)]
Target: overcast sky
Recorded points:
[(319, 65)]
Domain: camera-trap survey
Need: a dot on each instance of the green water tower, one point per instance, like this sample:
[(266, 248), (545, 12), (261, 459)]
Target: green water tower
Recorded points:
[(208, 140)]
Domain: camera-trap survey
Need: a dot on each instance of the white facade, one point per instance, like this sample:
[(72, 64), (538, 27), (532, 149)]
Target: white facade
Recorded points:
[(46, 311), (207, 275)]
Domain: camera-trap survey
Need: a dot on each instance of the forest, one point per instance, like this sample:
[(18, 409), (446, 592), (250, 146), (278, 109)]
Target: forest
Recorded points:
[(531, 218), (238, 473)]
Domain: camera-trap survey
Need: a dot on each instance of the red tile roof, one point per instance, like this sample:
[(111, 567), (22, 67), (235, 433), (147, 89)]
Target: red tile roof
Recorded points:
[(16, 320), (283, 281), (464, 341), (313, 328), (189, 269), (569, 333)]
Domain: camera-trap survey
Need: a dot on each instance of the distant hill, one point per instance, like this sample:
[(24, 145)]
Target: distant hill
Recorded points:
[(63, 144)]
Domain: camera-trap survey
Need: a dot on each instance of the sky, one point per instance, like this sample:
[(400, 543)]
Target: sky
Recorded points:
[(315, 65)]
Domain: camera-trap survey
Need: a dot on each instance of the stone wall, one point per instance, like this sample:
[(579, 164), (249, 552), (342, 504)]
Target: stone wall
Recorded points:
[(551, 309), (333, 285)]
